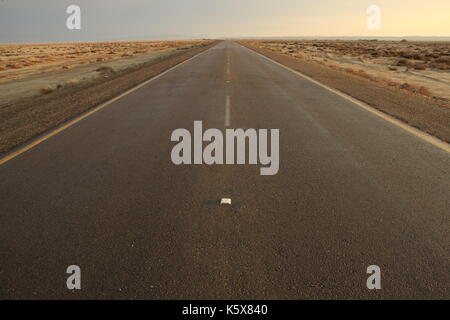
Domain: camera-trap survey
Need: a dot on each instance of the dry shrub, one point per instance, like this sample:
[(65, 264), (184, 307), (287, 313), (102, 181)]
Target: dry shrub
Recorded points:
[(416, 89), (403, 62), (440, 66), (365, 75), (419, 66), (443, 60), (391, 83), (12, 66), (105, 69), (47, 89), (423, 91), (406, 54), (406, 86)]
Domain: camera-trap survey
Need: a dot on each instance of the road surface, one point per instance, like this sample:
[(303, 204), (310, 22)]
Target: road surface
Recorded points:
[(353, 190)]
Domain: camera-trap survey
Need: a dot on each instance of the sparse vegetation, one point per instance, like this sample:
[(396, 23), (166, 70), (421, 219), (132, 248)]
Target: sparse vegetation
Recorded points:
[(47, 89), (58, 99), (415, 89), (420, 64), (401, 94), (43, 58), (105, 69)]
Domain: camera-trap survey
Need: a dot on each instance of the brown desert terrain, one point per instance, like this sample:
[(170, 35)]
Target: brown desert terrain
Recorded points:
[(409, 81), (31, 69), (19, 61), (420, 67), (44, 85)]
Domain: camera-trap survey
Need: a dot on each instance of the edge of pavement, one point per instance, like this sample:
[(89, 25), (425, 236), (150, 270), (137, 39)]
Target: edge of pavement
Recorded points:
[(51, 131), (436, 141)]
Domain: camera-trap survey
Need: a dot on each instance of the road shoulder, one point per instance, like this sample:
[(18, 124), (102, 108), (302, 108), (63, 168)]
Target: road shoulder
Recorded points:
[(23, 121), (425, 114)]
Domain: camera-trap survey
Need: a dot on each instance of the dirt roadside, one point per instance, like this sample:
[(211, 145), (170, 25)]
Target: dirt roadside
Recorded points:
[(426, 114), (26, 119)]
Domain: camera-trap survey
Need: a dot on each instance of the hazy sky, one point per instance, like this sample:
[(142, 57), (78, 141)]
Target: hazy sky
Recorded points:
[(44, 20)]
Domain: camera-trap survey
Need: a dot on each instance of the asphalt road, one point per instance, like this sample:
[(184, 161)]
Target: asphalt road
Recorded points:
[(353, 190)]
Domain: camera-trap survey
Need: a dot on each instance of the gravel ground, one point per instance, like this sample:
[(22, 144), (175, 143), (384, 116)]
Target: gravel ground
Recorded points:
[(28, 118), (426, 114)]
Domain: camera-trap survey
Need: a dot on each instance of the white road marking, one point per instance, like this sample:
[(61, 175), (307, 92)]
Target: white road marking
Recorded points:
[(225, 201), (227, 112), (228, 67)]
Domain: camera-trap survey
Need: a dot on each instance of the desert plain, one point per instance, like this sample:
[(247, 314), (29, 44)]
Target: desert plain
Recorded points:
[(421, 67), (33, 69), (44, 85)]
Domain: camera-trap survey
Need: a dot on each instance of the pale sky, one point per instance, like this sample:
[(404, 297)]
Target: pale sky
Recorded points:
[(44, 20)]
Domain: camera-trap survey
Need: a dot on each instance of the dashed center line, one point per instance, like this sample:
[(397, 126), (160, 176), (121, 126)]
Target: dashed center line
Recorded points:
[(225, 201), (227, 112), (228, 67)]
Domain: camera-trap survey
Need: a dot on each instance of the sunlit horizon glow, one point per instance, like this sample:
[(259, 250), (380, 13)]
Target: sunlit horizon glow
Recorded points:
[(44, 20)]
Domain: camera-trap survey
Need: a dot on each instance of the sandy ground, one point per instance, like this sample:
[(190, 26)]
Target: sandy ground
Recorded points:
[(431, 115), (421, 67), (26, 69), (25, 117)]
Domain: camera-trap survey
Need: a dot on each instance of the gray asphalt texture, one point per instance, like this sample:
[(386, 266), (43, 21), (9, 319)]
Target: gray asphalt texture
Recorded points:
[(353, 190)]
